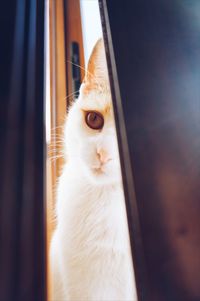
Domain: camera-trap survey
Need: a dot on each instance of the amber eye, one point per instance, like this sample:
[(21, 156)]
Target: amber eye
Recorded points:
[(94, 120)]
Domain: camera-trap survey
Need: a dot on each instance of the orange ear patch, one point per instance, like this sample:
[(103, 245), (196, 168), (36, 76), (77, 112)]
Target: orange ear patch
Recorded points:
[(96, 73), (96, 56)]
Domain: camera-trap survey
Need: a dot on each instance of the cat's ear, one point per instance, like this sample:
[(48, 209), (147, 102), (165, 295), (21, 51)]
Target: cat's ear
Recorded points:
[(96, 74)]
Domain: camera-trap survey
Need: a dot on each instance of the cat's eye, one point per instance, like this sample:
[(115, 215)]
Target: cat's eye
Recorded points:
[(94, 120)]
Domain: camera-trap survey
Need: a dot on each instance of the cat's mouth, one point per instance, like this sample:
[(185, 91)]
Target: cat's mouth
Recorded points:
[(107, 173), (99, 170)]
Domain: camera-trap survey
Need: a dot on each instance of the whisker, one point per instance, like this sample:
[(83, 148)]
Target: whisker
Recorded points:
[(57, 148), (71, 94), (57, 127), (55, 158), (55, 140), (54, 151), (77, 65), (57, 134), (87, 72), (55, 154)]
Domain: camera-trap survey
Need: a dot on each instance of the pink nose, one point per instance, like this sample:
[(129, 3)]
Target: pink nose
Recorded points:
[(103, 156)]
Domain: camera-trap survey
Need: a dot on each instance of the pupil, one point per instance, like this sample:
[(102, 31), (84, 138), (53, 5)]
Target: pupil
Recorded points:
[(94, 120)]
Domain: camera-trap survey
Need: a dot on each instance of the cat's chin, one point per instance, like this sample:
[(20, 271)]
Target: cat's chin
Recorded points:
[(101, 176)]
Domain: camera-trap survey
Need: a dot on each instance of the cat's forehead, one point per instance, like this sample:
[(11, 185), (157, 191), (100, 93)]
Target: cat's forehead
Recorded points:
[(96, 100)]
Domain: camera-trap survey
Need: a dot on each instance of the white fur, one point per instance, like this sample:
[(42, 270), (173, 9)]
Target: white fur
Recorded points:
[(90, 252)]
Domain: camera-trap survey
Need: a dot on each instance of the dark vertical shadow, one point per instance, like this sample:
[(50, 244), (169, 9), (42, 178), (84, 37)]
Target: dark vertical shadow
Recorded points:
[(22, 243)]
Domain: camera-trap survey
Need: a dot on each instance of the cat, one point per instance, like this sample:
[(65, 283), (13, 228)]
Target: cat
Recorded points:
[(90, 254)]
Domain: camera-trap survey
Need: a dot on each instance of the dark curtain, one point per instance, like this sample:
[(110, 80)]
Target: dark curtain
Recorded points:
[(22, 236), (153, 50)]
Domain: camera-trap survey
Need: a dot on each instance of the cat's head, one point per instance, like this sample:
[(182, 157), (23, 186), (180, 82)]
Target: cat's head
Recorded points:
[(90, 133)]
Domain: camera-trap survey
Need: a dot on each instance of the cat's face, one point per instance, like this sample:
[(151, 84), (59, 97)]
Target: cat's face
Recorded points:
[(90, 133)]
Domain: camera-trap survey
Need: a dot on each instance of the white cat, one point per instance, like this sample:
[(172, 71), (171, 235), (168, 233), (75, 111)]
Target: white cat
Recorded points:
[(90, 253)]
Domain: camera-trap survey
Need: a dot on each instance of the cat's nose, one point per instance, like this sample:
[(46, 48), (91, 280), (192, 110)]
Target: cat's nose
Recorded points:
[(103, 156)]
